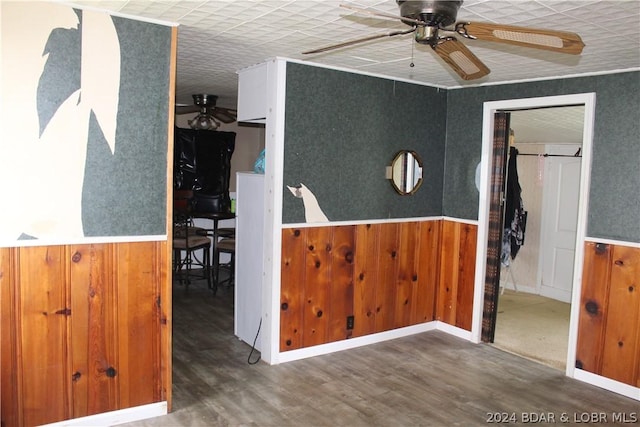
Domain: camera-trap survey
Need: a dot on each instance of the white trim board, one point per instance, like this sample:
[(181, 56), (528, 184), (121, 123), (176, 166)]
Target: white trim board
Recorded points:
[(113, 418), (318, 350), (489, 111), (607, 384)]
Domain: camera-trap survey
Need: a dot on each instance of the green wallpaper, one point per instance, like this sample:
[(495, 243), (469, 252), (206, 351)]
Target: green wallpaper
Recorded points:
[(124, 194), (342, 129), (615, 177)]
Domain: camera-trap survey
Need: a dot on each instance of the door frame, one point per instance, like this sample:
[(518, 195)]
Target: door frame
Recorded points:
[(489, 110)]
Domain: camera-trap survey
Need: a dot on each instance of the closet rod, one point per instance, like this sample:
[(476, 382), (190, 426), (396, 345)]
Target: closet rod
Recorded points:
[(549, 155)]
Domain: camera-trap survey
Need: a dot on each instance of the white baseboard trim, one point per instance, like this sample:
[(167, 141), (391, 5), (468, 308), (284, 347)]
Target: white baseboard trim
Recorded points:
[(333, 347), (453, 330), (607, 384), (113, 418)]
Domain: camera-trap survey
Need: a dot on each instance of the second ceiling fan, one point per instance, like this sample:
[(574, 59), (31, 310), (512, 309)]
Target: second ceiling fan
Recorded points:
[(209, 115), (433, 23)]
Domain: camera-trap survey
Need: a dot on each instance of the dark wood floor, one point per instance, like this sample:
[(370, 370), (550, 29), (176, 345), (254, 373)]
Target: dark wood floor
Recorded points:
[(431, 379)]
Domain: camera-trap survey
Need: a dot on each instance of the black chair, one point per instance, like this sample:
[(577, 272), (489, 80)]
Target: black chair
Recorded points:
[(189, 240), (224, 246)]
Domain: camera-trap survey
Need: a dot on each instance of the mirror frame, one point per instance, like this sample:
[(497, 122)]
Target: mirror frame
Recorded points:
[(417, 161)]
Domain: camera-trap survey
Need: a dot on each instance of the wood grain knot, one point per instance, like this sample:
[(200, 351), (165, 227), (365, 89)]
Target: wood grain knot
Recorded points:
[(631, 288), (319, 313), (311, 247), (284, 306), (318, 264), (601, 248), (415, 277), (111, 372), (77, 256), (620, 344), (619, 262), (327, 248), (393, 254), (361, 276), (348, 257), (288, 342), (591, 307), (296, 233), (76, 376)]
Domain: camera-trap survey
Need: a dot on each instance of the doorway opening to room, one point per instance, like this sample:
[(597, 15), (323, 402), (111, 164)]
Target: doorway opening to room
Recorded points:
[(536, 277), (528, 295)]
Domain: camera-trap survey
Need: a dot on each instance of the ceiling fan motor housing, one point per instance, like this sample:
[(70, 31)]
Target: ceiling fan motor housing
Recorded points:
[(440, 13), (204, 100)]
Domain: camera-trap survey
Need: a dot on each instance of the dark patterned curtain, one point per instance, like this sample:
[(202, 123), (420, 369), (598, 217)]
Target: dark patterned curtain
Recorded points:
[(494, 246)]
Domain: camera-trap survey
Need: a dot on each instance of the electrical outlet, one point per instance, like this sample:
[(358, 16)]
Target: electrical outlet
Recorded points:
[(349, 322)]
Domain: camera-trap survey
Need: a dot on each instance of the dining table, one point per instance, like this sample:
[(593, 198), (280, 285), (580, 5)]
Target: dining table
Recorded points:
[(215, 232)]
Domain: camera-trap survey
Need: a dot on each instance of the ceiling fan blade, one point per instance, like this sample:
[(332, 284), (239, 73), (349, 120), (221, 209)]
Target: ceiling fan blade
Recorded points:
[(187, 109), (461, 59), (225, 115), (383, 14), (356, 41), (558, 41)]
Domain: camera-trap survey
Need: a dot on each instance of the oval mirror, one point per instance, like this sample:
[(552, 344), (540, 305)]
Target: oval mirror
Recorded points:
[(406, 172)]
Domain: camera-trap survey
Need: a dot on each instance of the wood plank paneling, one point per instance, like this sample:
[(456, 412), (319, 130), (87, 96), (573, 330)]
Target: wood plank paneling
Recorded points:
[(138, 368), (609, 319), (428, 269), (466, 275), (365, 278), (292, 290), (594, 300), (85, 329), (341, 290), (10, 395), (407, 275), (42, 310), (620, 357), (457, 272), (93, 324), (317, 283), (448, 286), (385, 275), (389, 241)]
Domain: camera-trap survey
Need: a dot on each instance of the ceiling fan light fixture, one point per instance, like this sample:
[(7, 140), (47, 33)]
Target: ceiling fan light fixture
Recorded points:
[(204, 121)]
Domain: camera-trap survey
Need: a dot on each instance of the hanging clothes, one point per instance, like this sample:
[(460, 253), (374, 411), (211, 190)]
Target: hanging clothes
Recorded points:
[(515, 217)]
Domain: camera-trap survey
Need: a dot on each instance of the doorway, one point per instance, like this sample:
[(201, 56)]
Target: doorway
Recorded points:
[(536, 282), (487, 282)]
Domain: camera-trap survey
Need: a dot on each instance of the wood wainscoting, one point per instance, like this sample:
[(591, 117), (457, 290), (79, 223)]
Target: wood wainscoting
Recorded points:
[(609, 320), (383, 276), (84, 330)]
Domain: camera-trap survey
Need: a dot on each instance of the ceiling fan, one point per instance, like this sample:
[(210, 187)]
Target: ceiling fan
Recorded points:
[(433, 23), (209, 116)]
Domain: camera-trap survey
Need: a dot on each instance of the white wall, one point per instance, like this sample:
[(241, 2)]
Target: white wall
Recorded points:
[(524, 268)]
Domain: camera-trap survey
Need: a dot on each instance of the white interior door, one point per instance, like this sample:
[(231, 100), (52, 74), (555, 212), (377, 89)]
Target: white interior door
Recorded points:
[(560, 217)]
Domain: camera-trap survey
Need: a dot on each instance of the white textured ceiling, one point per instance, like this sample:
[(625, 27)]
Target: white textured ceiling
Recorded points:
[(559, 125), (217, 38)]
